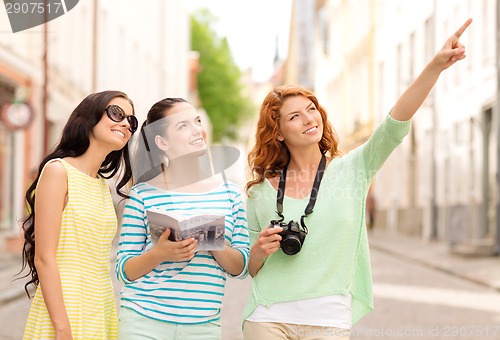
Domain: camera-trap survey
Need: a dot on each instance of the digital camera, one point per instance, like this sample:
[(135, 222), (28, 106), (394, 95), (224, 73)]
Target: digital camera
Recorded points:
[(292, 236)]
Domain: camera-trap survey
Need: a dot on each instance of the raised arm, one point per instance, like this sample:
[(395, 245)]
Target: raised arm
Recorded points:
[(452, 51)]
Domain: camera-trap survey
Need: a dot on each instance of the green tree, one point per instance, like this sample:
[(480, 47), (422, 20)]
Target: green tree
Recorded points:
[(219, 81)]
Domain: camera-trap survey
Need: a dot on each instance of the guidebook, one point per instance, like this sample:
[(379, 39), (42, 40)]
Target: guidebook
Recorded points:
[(207, 229)]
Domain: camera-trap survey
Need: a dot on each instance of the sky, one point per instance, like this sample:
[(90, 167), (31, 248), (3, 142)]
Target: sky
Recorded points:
[(251, 28)]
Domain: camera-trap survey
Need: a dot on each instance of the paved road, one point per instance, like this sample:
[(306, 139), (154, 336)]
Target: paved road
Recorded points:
[(415, 302), (412, 302), (13, 314)]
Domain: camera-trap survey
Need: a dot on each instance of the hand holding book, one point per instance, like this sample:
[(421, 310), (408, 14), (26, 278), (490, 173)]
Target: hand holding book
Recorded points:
[(208, 230)]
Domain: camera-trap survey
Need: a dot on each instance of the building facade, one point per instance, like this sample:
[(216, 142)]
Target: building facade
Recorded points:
[(141, 49), (441, 182)]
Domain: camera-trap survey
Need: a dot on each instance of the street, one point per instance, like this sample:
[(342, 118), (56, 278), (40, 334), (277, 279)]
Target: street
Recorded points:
[(412, 301), (416, 302)]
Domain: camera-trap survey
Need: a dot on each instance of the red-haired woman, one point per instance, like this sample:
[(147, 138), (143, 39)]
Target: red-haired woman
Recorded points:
[(307, 201)]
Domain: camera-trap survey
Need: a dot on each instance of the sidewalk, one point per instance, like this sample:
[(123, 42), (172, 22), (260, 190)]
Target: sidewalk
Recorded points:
[(10, 288), (482, 270)]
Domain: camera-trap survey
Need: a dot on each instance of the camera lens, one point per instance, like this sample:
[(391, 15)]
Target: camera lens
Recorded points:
[(290, 244)]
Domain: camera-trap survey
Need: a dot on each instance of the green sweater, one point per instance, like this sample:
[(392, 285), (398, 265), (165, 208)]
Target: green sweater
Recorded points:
[(334, 258)]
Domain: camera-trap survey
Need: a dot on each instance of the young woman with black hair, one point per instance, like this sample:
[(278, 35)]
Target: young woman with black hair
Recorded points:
[(72, 222)]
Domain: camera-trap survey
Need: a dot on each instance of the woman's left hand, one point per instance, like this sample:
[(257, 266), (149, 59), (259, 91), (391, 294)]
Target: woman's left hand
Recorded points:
[(453, 49)]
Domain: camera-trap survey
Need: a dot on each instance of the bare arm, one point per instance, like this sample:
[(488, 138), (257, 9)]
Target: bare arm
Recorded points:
[(50, 201), (230, 259), (409, 102)]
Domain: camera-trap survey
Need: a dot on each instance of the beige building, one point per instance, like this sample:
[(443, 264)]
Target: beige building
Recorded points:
[(440, 183), (139, 48)]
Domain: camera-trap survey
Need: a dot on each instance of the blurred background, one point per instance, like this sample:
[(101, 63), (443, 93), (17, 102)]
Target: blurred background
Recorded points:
[(438, 195)]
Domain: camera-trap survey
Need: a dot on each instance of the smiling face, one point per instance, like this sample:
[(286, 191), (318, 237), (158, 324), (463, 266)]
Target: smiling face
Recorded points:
[(114, 134), (300, 122), (184, 132)]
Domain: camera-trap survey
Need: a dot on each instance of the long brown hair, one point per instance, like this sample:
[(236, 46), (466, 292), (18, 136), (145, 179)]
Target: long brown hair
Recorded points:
[(74, 142), (269, 155)]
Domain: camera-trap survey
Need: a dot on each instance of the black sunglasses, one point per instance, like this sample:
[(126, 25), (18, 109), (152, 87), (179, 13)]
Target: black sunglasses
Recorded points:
[(116, 114)]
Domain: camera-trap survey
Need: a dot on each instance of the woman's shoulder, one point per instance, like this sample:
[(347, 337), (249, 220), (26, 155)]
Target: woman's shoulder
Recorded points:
[(257, 189), (53, 179), (234, 189), (138, 188), (55, 168), (273, 181)]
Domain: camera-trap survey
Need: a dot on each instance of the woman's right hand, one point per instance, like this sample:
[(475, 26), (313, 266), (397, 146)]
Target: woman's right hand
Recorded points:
[(175, 251), (266, 244)]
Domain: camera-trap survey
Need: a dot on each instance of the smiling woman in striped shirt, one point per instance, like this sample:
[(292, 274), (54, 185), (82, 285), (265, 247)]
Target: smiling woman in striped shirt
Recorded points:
[(171, 290)]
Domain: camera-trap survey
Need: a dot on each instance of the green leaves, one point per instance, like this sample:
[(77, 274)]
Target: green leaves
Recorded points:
[(219, 81)]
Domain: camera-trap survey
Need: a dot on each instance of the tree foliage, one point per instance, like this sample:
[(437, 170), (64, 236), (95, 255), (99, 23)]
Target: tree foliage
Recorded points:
[(219, 81)]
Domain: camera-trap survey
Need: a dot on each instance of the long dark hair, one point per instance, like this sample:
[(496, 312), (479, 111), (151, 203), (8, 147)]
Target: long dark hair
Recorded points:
[(74, 142), (143, 155)]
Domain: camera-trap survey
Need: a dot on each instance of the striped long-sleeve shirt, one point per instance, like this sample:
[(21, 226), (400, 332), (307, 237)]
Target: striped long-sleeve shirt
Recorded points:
[(187, 292)]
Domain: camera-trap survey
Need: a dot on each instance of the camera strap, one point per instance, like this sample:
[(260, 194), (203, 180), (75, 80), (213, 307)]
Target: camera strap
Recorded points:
[(314, 192)]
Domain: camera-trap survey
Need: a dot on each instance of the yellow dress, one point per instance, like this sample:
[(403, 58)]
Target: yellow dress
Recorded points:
[(83, 256)]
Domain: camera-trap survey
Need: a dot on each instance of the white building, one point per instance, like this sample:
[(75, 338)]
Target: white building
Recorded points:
[(141, 48), (440, 183)]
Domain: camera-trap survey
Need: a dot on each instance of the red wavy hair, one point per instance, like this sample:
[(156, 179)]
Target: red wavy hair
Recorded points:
[(269, 156)]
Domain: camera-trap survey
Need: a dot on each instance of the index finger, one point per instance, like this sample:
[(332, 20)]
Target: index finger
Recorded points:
[(270, 231), (462, 29), (186, 242)]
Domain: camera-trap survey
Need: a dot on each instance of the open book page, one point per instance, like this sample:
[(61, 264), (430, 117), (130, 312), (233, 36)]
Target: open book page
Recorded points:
[(207, 229)]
